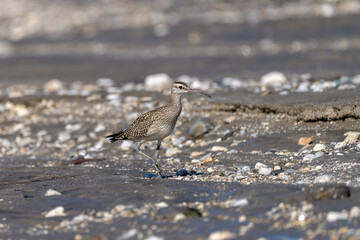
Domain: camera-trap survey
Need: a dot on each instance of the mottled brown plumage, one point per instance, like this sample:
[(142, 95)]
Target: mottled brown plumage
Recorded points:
[(156, 124)]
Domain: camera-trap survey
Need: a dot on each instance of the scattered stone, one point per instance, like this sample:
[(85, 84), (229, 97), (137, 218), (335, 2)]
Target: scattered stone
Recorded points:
[(222, 235), (154, 238), (23, 141), (126, 145), (21, 110), (179, 217), (56, 212), (319, 147), (172, 151), (242, 167), (327, 192), (259, 165), (196, 154), (336, 216), (161, 205), (51, 192), (191, 212), (265, 171), (289, 171), (310, 157), (305, 141), (53, 85), (351, 137), (200, 128), (273, 79), (219, 148), (284, 176), (277, 168), (157, 82), (64, 136), (324, 179), (128, 234), (234, 83), (235, 203), (100, 127), (105, 82), (182, 173), (150, 175), (355, 212)]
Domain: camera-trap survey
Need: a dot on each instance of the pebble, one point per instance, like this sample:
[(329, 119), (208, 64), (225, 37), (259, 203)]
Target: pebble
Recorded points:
[(182, 173), (273, 79), (179, 217), (319, 147), (242, 167), (310, 157), (23, 141), (219, 148), (236, 202), (284, 176), (150, 175), (105, 82), (100, 127), (126, 145), (289, 171), (128, 234), (351, 137), (277, 168), (21, 110), (200, 127), (265, 171), (5, 143), (355, 212), (53, 85), (234, 83), (172, 151), (154, 238), (305, 141), (259, 165), (161, 205), (195, 154), (157, 82), (64, 136), (51, 192), (56, 212), (333, 216), (324, 179), (222, 235)]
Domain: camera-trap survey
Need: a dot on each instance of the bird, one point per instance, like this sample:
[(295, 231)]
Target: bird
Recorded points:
[(157, 124)]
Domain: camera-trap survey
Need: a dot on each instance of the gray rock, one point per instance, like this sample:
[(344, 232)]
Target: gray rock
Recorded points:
[(242, 167), (336, 216), (324, 179), (64, 136), (265, 171), (200, 127), (289, 171)]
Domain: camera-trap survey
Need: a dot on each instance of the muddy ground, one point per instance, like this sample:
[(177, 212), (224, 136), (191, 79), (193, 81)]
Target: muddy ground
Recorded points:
[(246, 175)]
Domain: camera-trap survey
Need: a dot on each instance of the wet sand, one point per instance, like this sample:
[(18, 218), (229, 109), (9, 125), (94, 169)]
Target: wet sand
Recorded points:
[(248, 176)]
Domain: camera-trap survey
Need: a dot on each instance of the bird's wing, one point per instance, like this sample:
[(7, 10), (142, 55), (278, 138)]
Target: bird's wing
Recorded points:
[(141, 125)]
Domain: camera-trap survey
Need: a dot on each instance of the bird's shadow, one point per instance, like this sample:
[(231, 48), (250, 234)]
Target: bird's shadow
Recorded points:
[(180, 173)]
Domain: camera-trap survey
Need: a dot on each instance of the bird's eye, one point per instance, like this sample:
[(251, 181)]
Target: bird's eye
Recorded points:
[(180, 87)]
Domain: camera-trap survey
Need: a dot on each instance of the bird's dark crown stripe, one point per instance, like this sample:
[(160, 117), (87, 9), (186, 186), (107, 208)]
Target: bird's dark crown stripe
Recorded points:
[(181, 83)]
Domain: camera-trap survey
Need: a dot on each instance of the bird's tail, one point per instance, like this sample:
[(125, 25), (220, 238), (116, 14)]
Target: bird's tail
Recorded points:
[(117, 136)]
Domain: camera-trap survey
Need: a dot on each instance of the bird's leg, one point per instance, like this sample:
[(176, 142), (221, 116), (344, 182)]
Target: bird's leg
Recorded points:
[(137, 149), (157, 157)]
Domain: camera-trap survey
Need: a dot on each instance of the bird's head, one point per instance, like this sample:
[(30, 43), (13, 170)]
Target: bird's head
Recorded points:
[(180, 88)]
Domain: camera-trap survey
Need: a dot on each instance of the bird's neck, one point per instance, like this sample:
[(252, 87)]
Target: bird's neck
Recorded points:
[(175, 102)]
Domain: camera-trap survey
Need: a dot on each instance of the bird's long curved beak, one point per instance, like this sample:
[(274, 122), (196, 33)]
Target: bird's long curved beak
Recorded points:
[(199, 91)]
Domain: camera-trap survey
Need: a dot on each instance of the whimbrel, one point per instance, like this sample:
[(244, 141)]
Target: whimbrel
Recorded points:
[(156, 124)]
